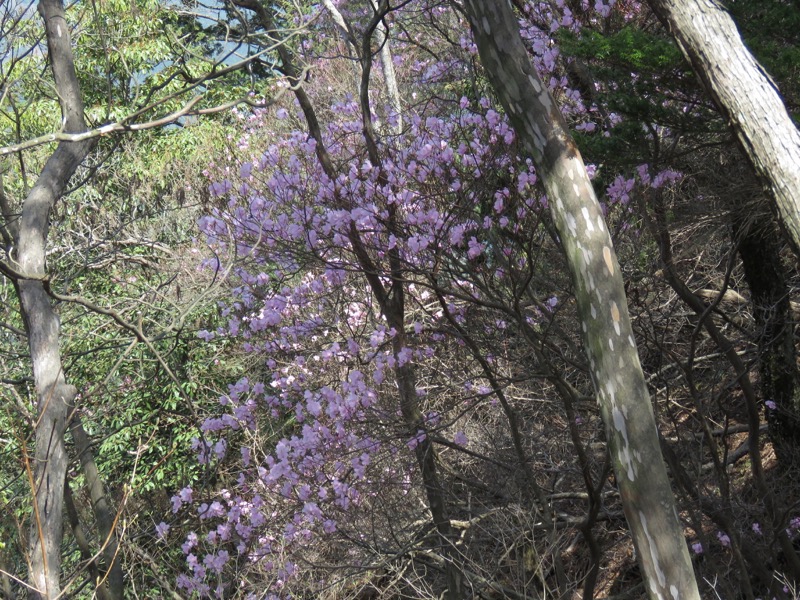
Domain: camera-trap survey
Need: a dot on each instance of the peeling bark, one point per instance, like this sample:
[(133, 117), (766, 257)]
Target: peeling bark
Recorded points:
[(616, 372), (746, 95)]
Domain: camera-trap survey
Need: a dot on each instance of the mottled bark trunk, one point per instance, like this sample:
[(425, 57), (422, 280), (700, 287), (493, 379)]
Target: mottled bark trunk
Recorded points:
[(54, 395), (617, 375), (746, 95)]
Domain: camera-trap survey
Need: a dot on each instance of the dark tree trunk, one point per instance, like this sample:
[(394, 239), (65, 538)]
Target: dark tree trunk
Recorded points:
[(759, 248), (616, 372), (112, 587)]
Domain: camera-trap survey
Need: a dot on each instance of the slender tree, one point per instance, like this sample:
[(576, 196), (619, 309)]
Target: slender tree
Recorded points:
[(616, 372), (54, 394)]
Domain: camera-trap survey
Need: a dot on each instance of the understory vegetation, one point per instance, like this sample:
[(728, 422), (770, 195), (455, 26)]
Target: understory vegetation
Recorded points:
[(322, 331)]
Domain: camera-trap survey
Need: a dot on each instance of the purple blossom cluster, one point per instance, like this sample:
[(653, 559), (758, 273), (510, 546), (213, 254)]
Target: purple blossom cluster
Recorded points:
[(451, 195), (300, 303)]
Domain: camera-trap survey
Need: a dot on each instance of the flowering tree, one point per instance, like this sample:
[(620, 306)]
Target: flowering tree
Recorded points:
[(335, 214), (443, 211), (317, 240)]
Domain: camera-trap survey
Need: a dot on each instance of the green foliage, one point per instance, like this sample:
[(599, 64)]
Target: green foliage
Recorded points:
[(122, 45), (641, 77), (629, 48), (771, 29)]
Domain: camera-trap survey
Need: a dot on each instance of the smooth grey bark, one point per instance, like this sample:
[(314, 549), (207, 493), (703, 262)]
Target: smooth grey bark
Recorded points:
[(617, 375), (54, 394), (708, 38), (387, 66)]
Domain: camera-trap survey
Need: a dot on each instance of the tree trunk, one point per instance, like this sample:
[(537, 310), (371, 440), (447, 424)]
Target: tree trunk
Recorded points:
[(424, 451), (111, 573), (616, 372), (759, 249), (389, 77), (54, 395), (6, 590), (74, 522), (747, 97)]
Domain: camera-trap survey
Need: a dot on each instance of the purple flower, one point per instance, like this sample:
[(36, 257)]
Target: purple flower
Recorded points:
[(186, 495), (329, 526), (770, 404), (697, 548), (216, 562), (162, 529), (416, 440), (723, 539), (460, 438), (220, 188), (191, 542), (475, 248), (404, 356)]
